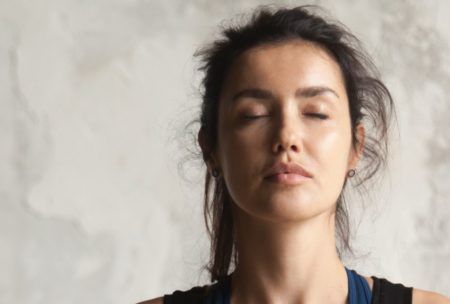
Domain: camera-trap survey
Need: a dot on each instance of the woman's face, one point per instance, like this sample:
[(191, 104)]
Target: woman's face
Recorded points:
[(284, 103)]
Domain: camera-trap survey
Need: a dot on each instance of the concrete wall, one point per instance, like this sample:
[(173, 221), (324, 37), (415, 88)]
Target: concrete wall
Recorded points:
[(93, 99)]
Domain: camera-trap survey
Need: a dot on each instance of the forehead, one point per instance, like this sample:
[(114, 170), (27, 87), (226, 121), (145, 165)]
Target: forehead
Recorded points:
[(283, 68)]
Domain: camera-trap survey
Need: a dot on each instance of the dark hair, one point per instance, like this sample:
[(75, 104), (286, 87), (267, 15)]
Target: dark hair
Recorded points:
[(369, 100)]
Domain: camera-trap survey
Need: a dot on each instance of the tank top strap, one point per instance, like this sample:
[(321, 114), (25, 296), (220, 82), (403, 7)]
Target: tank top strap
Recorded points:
[(358, 289), (387, 292), (220, 292)]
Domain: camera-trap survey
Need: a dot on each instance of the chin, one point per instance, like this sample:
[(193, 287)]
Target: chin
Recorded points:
[(281, 210), (291, 214)]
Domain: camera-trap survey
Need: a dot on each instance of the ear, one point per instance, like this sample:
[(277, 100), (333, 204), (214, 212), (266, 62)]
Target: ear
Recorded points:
[(208, 155), (356, 152)]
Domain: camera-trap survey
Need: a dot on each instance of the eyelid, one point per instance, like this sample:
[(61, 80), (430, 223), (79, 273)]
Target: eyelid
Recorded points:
[(255, 113), (315, 115), (318, 115), (250, 117)]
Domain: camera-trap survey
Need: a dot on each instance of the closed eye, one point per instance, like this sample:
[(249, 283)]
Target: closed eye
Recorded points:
[(314, 115), (252, 117), (318, 115)]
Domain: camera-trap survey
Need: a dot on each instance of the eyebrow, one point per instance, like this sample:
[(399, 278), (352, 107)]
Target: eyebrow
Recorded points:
[(306, 92)]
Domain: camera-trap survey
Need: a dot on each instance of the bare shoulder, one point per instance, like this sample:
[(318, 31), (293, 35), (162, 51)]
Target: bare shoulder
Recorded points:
[(420, 296), (153, 301)]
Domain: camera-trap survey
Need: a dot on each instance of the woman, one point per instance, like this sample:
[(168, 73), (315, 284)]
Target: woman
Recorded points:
[(287, 100)]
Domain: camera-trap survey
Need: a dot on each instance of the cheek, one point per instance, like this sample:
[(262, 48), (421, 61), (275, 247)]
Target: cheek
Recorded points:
[(330, 151), (243, 157), (240, 154)]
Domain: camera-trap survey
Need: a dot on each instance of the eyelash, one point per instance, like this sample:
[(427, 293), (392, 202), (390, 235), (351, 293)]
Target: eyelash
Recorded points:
[(250, 117), (315, 115), (318, 115)]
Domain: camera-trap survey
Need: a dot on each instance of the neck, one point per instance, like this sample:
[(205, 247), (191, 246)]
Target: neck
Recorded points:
[(287, 263)]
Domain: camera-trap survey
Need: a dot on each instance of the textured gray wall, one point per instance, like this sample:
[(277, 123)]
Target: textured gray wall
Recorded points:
[(93, 98)]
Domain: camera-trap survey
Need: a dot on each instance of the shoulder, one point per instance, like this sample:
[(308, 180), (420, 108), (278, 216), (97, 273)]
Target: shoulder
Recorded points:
[(423, 297), (159, 300), (419, 296), (194, 295)]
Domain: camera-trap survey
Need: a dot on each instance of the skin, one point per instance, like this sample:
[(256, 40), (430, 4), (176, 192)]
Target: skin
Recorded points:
[(285, 233)]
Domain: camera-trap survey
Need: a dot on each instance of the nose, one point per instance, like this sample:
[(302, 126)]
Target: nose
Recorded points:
[(287, 136)]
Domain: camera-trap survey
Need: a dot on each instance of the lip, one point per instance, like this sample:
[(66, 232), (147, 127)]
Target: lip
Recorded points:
[(287, 178), (287, 173)]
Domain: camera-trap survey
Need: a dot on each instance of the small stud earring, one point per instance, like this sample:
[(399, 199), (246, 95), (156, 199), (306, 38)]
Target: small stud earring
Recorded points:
[(215, 173), (351, 173)]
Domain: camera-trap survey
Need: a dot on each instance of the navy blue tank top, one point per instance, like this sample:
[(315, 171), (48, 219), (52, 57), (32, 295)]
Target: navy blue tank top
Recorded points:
[(358, 290), (383, 292)]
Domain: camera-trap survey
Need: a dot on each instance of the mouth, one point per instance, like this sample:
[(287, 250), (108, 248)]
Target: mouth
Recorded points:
[(287, 178), (292, 170)]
